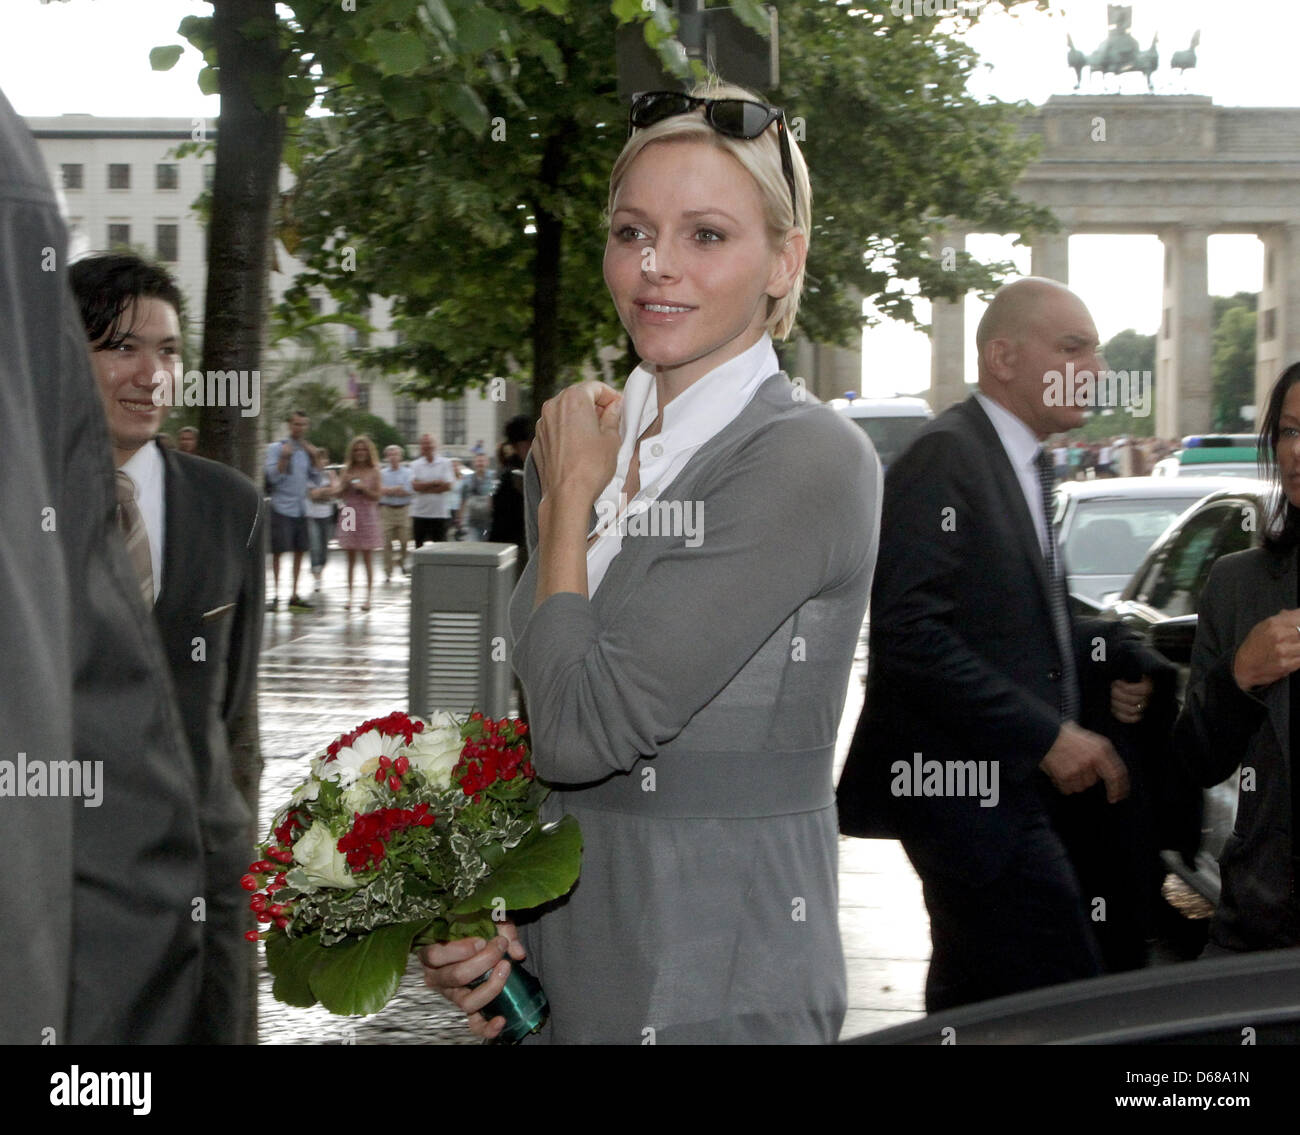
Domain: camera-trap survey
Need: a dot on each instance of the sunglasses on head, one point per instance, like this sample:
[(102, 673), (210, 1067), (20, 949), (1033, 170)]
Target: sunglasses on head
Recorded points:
[(735, 118)]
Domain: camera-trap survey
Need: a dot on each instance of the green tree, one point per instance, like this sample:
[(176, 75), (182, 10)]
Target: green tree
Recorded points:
[(1127, 351), (1233, 345), (490, 245)]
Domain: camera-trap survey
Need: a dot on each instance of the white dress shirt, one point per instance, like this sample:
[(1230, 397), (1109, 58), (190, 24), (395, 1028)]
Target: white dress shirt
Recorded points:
[(146, 470), (696, 415), (1021, 445)]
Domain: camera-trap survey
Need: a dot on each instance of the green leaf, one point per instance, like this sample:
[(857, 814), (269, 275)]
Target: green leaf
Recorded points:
[(198, 31), (164, 58), (543, 866), (399, 53), (210, 81), (291, 961), (478, 30), (464, 103), (753, 15), (627, 10), (404, 98), (361, 975)]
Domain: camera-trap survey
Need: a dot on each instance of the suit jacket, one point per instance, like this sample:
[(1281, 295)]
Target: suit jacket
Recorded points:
[(1222, 727), (98, 944), (209, 614), (963, 662)]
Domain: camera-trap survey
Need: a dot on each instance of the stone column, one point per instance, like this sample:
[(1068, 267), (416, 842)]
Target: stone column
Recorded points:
[(1277, 327), (1183, 351), (947, 337), (1050, 256)]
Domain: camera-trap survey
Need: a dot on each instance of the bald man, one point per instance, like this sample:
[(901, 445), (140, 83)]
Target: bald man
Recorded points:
[(972, 690)]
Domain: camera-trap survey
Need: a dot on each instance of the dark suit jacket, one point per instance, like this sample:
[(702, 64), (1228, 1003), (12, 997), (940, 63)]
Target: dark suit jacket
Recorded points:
[(98, 944), (209, 613), (963, 663), (1222, 727)]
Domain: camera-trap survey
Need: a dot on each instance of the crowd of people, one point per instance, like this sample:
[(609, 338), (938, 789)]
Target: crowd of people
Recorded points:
[(366, 506), (1074, 460)]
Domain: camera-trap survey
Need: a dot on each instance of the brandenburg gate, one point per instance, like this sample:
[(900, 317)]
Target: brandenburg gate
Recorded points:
[(1182, 168)]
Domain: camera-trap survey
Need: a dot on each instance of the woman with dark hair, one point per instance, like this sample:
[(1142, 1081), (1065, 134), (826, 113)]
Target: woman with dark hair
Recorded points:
[(1242, 697)]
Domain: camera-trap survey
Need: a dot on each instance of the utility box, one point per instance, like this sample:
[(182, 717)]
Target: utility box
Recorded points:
[(460, 659)]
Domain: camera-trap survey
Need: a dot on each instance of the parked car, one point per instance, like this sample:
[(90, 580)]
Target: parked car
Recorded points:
[(890, 423), (1220, 455), (1161, 602), (1105, 527)]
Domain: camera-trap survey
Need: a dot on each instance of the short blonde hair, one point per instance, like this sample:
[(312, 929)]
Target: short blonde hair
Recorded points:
[(370, 447), (761, 158)]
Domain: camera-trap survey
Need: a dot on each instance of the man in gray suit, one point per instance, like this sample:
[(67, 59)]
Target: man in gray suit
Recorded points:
[(99, 941), (200, 563)]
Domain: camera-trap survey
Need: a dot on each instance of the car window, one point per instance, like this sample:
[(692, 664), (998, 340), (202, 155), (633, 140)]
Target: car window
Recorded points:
[(890, 436), (1110, 536), (1174, 580)]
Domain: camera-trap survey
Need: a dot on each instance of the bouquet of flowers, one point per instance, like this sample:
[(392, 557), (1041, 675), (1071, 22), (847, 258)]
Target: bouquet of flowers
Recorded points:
[(406, 832)]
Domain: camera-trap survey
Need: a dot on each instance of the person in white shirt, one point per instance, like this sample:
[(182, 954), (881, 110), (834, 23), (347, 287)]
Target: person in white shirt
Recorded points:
[(432, 480)]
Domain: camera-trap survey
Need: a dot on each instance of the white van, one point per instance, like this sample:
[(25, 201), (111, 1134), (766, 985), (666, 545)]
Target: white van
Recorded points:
[(890, 423)]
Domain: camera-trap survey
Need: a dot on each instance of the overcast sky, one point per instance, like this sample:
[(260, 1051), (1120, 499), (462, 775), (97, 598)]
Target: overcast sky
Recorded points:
[(92, 56)]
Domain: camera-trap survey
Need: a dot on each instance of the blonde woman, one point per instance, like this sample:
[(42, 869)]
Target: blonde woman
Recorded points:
[(686, 660), (359, 491)]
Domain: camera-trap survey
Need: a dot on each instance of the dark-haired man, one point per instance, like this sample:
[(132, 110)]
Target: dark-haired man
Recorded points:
[(194, 533), (290, 469)]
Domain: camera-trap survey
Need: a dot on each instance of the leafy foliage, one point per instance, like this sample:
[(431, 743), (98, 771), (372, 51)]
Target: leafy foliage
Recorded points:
[(452, 224)]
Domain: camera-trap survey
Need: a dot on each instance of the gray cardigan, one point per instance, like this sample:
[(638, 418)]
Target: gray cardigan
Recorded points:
[(688, 713)]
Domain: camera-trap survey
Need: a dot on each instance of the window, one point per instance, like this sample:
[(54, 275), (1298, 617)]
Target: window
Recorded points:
[(119, 235), (453, 423), (166, 242), (166, 175), (1174, 581), (363, 396), (314, 302), (406, 419), (119, 176), (73, 175)]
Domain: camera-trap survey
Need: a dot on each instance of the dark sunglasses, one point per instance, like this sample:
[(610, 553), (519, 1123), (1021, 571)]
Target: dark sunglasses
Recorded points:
[(736, 118)]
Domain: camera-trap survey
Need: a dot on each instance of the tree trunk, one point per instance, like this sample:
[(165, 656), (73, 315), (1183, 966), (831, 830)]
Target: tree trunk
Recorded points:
[(546, 272), (244, 188)]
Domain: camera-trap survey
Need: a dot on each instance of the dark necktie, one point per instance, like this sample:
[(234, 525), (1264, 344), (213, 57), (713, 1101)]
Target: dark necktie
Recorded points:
[(135, 534), (1057, 596)]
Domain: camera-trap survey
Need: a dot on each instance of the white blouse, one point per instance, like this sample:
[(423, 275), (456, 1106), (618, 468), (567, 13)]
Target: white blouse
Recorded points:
[(700, 412)]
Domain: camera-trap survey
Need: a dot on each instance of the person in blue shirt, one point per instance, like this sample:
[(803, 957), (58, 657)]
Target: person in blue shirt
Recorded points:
[(290, 468)]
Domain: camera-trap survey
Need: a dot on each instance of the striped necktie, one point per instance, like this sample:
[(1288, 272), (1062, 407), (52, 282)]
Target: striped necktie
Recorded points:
[(1057, 596), (135, 534)]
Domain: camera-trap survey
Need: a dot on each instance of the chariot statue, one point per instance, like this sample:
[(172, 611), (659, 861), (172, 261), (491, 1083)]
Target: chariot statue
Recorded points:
[(1120, 53)]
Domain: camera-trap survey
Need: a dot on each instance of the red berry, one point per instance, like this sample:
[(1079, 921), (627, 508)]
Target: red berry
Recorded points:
[(282, 922), (257, 904), (276, 909), (379, 775), (395, 783), (262, 916), (249, 883), (401, 766), (251, 936), (384, 762)]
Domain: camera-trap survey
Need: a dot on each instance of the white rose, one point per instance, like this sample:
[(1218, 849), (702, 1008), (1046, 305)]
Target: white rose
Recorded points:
[(318, 854), (436, 751), (361, 797)]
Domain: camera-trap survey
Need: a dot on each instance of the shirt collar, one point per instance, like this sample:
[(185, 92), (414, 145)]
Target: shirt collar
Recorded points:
[(145, 468), (1019, 441)]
